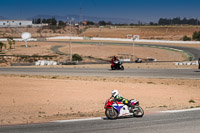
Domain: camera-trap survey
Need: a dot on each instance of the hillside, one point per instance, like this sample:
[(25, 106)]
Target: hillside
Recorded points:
[(145, 32)]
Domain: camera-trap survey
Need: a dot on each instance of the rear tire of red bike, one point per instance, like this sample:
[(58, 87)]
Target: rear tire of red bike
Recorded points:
[(111, 114), (112, 68)]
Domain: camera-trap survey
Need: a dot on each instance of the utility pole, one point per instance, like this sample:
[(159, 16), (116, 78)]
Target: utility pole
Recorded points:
[(80, 19), (133, 47), (40, 27), (70, 45)]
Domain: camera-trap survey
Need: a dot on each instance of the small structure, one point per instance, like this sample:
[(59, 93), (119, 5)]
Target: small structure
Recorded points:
[(136, 37), (128, 36), (125, 57), (15, 23)]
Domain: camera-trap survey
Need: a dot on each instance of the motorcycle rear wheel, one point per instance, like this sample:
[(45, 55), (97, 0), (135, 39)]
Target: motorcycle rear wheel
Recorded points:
[(111, 113), (139, 112)]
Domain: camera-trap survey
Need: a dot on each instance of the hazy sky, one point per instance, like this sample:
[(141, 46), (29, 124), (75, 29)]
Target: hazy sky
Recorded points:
[(145, 10)]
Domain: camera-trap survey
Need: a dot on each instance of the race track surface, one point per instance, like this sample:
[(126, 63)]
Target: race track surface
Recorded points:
[(195, 52), (147, 73), (184, 122)]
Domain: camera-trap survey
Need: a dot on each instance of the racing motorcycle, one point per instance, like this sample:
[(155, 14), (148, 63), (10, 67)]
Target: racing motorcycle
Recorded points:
[(114, 110), (117, 65)]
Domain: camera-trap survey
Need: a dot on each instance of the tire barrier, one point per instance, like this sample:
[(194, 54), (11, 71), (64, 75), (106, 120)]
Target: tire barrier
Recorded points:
[(188, 63), (45, 63)]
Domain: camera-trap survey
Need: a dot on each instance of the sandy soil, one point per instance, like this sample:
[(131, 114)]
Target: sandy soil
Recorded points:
[(37, 32), (33, 99), (35, 48), (145, 32), (95, 50)]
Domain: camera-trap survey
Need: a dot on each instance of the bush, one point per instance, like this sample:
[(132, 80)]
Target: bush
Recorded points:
[(11, 41), (76, 57), (186, 38), (196, 36), (2, 45)]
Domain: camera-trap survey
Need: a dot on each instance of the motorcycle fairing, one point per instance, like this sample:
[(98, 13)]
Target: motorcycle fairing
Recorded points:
[(122, 109), (134, 101)]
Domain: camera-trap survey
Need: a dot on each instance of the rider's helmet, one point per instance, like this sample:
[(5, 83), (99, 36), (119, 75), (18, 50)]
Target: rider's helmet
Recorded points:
[(115, 93)]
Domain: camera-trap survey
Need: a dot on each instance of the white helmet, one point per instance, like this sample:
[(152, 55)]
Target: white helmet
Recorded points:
[(115, 93)]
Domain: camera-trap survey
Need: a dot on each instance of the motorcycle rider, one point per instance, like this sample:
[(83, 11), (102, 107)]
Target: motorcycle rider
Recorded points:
[(120, 98), (113, 60)]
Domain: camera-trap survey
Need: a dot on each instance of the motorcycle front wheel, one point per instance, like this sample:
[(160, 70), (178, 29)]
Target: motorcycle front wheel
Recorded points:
[(122, 67), (111, 113), (139, 112), (112, 67)]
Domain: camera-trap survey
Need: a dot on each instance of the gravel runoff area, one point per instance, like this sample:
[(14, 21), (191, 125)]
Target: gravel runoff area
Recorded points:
[(35, 99)]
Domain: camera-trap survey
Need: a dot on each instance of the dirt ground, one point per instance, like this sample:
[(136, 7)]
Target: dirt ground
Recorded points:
[(33, 99), (95, 50), (145, 32)]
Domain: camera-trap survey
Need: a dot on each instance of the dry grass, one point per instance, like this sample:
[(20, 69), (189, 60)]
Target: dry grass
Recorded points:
[(145, 32), (33, 99)]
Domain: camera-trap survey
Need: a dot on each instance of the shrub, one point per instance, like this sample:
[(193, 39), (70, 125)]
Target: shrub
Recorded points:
[(76, 57), (11, 41), (196, 36), (2, 45), (186, 38), (191, 101)]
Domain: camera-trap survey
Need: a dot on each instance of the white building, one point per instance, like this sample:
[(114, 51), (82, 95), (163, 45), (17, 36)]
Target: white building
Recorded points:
[(15, 23)]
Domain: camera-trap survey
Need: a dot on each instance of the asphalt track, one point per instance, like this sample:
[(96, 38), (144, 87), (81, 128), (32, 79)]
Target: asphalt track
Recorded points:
[(191, 51), (102, 72), (182, 122)]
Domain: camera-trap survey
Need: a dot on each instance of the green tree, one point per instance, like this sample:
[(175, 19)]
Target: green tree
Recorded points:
[(186, 38), (102, 23), (10, 42), (2, 45), (90, 23), (196, 36), (76, 57), (61, 23)]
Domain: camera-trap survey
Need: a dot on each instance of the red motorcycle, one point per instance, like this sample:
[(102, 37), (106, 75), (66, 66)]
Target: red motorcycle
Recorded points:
[(114, 110), (116, 65)]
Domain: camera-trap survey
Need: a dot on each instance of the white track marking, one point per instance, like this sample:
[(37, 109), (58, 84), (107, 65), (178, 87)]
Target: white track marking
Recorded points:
[(177, 111), (75, 120), (100, 118)]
